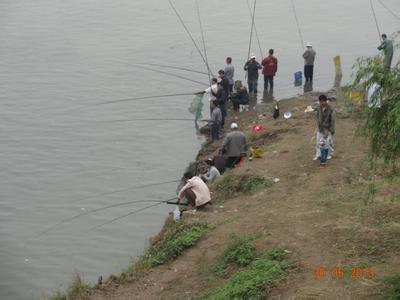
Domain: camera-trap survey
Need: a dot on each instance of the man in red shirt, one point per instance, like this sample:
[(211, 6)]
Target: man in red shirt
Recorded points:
[(270, 66)]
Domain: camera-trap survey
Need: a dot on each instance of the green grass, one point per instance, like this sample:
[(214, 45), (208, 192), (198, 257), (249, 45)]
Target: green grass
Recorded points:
[(250, 283), (76, 289), (178, 238), (230, 185), (239, 252), (392, 286)]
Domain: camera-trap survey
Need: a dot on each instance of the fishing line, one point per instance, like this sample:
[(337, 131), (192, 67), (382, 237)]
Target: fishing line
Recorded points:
[(255, 29), (203, 40), (97, 210), (172, 67), (389, 10), (171, 74), (124, 216), (125, 190), (251, 31), (375, 19), (297, 24), (191, 37)]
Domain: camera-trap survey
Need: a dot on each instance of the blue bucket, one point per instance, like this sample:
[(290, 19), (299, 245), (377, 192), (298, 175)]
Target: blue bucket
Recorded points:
[(298, 76)]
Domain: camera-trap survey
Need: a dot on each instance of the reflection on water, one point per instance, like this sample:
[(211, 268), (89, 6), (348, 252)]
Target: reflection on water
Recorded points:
[(338, 81), (268, 96), (308, 86)]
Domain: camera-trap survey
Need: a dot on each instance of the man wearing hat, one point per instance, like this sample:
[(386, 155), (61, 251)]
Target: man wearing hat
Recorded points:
[(309, 57), (234, 145), (252, 67)]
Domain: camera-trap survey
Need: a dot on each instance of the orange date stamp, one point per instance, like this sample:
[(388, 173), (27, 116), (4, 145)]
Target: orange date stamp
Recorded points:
[(322, 273)]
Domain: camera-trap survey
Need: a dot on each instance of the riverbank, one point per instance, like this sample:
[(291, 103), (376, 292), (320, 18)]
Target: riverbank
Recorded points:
[(336, 228)]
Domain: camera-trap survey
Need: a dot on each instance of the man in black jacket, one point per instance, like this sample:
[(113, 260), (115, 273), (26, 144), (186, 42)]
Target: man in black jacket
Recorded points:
[(252, 67)]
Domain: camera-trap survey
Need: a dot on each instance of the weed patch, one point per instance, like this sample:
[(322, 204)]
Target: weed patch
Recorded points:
[(240, 252), (76, 289), (230, 185), (250, 283), (178, 238), (392, 285)]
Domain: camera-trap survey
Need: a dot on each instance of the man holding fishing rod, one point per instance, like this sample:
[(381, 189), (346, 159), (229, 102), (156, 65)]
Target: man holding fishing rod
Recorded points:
[(252, 67), (195, 191), (387, 47)]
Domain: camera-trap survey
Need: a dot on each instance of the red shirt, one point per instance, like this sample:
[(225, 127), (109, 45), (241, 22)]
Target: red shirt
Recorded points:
[(270, 65)]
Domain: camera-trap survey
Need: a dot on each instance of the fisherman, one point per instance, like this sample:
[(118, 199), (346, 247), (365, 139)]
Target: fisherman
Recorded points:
[(309, 58), (240, 96), (252, 67), (212, 173), (195, 190), (221, 98), (270, 67), (212, 91), (325, 117), (215, 121), (387, 47), (229, 73), (223, 81), (234, 146)]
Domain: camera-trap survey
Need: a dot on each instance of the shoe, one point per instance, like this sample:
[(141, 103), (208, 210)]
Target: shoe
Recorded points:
[(329, 157), (316, 158)]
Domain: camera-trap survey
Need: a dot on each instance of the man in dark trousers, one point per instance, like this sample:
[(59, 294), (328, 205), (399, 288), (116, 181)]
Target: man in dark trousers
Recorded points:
[(325, 118), (221, 98), (234, 145), (224, 81), (252, 67), (309, 58), (270, 67)]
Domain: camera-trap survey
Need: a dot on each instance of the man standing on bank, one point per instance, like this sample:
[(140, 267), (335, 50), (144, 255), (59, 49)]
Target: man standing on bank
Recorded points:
[(270, 66), (252, 67), (325, 118), (234, 145), (229, 73), (309, 57), (387, 47)]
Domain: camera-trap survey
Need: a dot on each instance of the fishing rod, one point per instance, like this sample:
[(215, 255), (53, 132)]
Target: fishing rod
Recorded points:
[(389, 10), (252, 26), (124, 216), (125, 190), (190, 36), (375, 19), (171, 74), (146, 119), (147, 97), (255, 29), (203, 40), (297, 24), (172, 67), (97, 210)]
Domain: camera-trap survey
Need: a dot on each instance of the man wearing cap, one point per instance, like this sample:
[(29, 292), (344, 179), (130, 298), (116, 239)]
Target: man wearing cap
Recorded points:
[(234, 145), (252, 67), (270, 67), (325, 118), (229, 73), (212, 173), (309, 57), (387, 47)]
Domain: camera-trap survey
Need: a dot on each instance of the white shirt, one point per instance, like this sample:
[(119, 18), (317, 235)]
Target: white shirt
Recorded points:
[(199, 188), (212, 174), (214, 88), (374, 99)]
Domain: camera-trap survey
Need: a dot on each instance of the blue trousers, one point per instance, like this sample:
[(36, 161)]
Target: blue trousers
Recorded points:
[(253, 83), (324, 156), (268, 79)]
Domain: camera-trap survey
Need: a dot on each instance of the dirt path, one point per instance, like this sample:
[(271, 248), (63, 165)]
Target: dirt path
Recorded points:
[(311, 212)]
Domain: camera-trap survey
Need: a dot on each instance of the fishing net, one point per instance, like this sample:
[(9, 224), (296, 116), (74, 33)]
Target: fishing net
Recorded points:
[(196, 108)]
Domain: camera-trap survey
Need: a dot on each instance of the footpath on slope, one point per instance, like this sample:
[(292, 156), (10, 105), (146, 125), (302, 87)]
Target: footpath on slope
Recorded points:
[(324, 217)]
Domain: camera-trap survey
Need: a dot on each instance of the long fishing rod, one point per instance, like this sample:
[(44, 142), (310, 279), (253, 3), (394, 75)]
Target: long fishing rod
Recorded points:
[(146, 97), (190, 36), (203, 40), (255, 29), (389, 10), (375, 19), (125, 190), (171, 74), (251, 31), (124, 216), (100, 209), (146, 119), (172, 67), (297, 24)]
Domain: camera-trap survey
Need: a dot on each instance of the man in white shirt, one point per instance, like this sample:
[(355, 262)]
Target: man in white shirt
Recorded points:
[(212, 91), (195, 190)]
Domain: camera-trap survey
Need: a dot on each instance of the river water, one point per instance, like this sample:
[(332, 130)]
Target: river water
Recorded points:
[(63, 152)]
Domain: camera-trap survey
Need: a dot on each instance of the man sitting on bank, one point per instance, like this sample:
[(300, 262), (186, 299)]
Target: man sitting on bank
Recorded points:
[(195, 191)]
